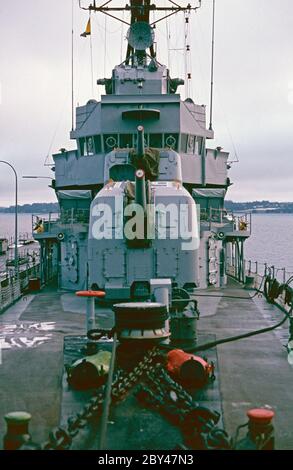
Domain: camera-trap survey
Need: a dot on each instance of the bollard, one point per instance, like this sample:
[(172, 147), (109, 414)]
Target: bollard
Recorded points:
[(17, 432), (260, 428), (260, 435)]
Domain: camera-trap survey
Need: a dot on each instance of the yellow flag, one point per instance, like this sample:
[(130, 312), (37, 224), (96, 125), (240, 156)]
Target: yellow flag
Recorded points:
[(88, 30)]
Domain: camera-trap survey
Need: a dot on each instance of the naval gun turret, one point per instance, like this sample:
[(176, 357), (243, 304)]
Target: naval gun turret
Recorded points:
[(142, 227)]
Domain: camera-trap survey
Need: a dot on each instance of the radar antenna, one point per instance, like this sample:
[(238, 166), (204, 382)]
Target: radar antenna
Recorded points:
[(140, 35)]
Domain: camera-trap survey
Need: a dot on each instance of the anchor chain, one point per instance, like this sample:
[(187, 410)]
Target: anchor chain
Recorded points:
[(197, 424), (61, 438), (158, 391)]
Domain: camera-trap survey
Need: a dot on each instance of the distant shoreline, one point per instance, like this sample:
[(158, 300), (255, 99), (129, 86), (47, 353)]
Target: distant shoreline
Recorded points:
[(36, 208), (28, 213), (256, 207), (260, 207)]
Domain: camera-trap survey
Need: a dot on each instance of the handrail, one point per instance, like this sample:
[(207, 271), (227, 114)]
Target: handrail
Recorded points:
[(241, 222), (258, 270), (41, 224)]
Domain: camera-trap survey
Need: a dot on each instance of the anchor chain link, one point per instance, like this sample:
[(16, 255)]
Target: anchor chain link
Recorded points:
[(61, 438)]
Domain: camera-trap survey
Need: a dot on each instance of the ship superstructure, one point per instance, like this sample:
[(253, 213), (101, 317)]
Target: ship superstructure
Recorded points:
[(141, 217), (141, 105)]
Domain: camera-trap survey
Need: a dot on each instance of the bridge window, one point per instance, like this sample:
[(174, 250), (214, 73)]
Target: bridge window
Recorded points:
[(156, 141), (98, 144), (190, 144), (126, 141), (90, 147), (82, 146), (184, 138), (199, 145)]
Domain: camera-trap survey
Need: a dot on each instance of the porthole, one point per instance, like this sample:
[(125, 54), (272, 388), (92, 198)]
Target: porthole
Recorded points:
[(170, 141), (111, 142)]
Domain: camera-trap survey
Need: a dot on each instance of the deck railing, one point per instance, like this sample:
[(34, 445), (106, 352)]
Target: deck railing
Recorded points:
[(44, 223), (239, 222), (258, 271), (11, 288), (41, 224), (73, 216)]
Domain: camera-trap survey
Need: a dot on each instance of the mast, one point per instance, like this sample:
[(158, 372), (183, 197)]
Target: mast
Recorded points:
[(72, 67), (212, 67), (140, 13)]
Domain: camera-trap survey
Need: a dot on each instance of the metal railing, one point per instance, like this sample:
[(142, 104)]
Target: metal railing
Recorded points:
[(12, 288), (258, 271), (9, 293), (41, 224), (73, 216), (239, 222)]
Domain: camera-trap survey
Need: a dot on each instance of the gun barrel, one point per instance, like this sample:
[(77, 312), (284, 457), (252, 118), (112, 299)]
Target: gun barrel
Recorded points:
[(140, 148), (140, 189)]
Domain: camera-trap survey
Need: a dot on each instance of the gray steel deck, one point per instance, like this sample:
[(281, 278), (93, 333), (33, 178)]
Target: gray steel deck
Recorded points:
[(252, 372)]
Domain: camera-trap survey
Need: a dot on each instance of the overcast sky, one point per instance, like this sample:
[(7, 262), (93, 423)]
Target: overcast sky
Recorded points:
[(253, 86)]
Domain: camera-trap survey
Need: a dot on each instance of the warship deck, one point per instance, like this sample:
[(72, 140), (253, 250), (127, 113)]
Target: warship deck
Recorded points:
[(251, 372)]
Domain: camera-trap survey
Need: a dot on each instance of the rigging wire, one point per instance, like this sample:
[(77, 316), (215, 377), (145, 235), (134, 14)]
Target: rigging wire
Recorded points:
[(173, 41), (55, 133), (187, 65), (102, 34), (154, 27), (46, 164), (92, 64), (168, 42), (105, 46), (226, 122), (81, 68), (199, 47), (121, 39), (194, 85), (203, 35)]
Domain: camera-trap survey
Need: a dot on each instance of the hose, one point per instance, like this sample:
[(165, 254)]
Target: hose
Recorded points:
[(272, 289), (257, 292), (203, 347)]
